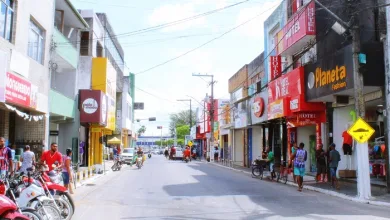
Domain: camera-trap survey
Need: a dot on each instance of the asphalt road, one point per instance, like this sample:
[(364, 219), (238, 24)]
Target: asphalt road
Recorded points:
[(165, 189)]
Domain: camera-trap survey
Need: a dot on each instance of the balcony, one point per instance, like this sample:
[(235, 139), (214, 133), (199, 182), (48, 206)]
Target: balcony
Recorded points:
[(61, 107), (67, 55)]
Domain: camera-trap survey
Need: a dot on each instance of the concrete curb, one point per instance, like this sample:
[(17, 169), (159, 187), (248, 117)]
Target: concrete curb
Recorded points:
[(316, 189)]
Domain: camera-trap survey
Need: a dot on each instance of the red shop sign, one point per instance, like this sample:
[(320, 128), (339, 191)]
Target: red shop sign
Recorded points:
[(288, 85), (93, 106), (300, 26), (276, 66), (18, 90), (305, 118), (258, 106)]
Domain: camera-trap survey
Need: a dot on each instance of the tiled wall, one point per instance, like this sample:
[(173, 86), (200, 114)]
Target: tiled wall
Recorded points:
[(29, 130)]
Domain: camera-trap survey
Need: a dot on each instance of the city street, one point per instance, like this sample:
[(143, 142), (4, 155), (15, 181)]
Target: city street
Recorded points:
[(165, 189)]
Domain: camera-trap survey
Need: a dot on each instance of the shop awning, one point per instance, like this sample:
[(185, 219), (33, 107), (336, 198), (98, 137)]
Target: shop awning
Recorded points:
[(114, 140)]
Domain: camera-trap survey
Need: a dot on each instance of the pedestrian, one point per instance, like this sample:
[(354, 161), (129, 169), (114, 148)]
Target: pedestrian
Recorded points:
[(293, 150), (52, 156), (13, 153), (334, 159), (300, 157), (271, 161), (81, 151), (321, 163), (6, 162), (27, 159), (67, 170)]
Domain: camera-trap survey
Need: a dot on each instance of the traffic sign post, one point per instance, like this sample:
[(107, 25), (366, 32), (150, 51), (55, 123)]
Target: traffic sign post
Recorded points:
[(361, 132)]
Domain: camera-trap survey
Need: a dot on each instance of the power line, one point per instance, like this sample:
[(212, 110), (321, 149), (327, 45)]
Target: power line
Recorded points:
[(168, 24)]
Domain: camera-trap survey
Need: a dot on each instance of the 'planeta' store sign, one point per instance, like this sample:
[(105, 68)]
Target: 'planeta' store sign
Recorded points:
[(329, 76)]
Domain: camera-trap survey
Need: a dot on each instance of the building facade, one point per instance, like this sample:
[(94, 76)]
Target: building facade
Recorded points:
[(25, 45)]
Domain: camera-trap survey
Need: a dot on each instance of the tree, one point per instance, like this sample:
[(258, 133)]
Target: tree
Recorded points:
[(180, 142), (179, 119), (141, 130), (182, 131)]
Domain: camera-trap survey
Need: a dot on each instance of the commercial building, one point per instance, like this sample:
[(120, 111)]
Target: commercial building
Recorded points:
[(63, 99), (25, 45)]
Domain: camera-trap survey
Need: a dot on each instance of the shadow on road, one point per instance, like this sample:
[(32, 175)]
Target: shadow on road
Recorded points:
[(267, 198)]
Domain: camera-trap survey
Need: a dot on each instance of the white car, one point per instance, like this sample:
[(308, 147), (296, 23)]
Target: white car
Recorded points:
[(127, 155), (179, 154)]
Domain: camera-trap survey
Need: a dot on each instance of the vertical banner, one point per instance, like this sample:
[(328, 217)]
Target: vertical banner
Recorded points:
[(318, 134), (275, 66)]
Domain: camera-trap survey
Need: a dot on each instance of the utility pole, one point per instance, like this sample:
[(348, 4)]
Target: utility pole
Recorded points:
[(386, 45), (363, 175), (211, 112)]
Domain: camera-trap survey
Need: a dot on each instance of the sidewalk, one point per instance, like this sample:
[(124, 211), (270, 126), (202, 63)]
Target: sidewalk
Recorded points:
[(86, 176), (348, 190)]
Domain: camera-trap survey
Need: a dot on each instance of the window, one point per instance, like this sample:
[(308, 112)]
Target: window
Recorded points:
[(36, 44), (6, 19)]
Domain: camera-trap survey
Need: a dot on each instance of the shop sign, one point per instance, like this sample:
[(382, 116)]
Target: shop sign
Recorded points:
[(299, 30), (288, 85), (305, 118), (18, 90), (258, 105), (329, 76), (275, 66), (240, 115), (276, 109), (93, 107)]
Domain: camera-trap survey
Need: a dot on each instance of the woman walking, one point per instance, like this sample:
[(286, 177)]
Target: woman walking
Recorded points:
[(67, 170)]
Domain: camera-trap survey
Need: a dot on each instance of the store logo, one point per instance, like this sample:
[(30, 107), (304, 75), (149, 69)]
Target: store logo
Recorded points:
[(335, 77), (90, 106), (258, 107), (294, 104)]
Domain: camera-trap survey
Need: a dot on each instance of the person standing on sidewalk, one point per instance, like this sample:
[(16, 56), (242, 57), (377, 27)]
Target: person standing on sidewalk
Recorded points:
[(321, 163), (27, 159), (271, 161), (334, 159), (5, 159), (300, 158), (67, 170), (293, 150), (52, 156)]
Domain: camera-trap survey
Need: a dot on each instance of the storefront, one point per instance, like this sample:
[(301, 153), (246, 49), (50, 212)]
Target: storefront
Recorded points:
[(224, 126), (23, 111), (258, 116), (293, 119), (331, 80), (240, 141)]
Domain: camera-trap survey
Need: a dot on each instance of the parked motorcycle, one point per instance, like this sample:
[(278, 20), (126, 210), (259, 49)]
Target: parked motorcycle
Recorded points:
[(10, 210), (29, 196), (55, 190)]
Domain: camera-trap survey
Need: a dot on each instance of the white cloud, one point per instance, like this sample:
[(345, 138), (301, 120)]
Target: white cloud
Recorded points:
[(255, 28), (174, 12)]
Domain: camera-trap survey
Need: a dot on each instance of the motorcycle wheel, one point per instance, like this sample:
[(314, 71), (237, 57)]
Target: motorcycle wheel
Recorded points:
[(68, 197), (52, 212), (65, 207), (31, 214)]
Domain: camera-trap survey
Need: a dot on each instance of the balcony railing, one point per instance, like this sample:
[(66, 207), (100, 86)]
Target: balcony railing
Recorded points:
[(65, 48)]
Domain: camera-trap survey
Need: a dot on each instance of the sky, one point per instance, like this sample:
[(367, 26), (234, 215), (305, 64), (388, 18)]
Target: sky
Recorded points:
[(160, 88)]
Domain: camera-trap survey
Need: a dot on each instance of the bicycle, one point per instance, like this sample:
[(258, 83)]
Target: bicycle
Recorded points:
[(282, 172), (258, 168)]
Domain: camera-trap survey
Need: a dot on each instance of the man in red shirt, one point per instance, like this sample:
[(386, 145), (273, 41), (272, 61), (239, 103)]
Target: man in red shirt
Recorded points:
[(51, 156)]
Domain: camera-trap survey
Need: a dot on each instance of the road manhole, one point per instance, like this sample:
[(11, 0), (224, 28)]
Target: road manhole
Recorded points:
[(90, 184)]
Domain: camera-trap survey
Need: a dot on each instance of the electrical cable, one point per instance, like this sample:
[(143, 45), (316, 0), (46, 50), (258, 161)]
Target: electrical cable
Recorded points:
[(168, 24)]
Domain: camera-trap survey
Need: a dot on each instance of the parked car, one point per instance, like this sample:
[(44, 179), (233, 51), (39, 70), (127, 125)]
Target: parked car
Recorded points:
[(127, 155), (179, 154)]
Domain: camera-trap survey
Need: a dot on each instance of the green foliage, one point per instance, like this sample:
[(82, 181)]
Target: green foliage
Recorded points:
[(180, 142), (141, 130), (182, 131), (180, 119)]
